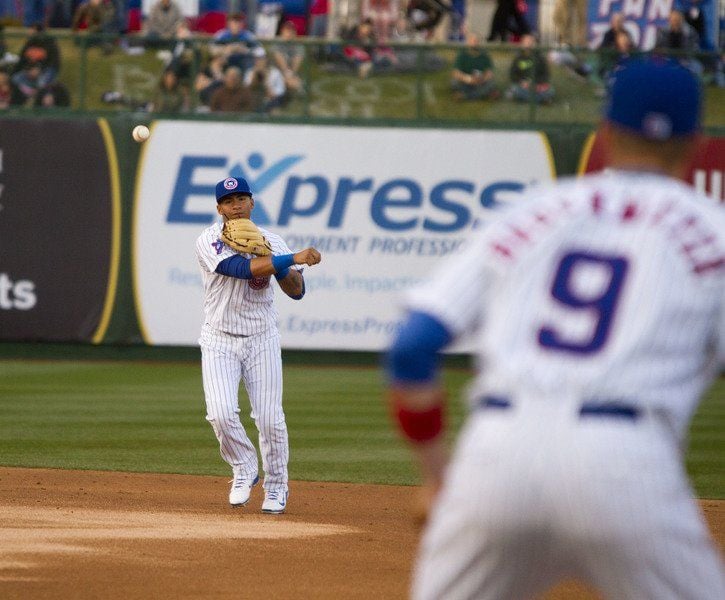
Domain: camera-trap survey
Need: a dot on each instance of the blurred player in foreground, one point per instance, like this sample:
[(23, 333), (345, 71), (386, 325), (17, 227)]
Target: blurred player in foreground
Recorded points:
[(598, 310), (240, 342)]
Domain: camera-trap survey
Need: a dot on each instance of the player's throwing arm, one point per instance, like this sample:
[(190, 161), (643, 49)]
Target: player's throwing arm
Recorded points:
[(262, 266)]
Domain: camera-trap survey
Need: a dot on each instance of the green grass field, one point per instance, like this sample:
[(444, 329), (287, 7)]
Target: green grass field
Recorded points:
[(149, 416)]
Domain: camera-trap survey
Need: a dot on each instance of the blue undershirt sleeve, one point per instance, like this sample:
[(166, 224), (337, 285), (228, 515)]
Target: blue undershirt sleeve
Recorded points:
[(235, 266), (413, 356)]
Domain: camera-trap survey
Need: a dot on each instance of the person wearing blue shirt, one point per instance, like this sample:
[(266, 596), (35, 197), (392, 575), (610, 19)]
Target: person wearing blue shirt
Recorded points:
[(236, 43)]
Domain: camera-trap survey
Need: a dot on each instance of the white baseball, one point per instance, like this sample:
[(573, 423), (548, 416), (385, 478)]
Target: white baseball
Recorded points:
[(140, 133)]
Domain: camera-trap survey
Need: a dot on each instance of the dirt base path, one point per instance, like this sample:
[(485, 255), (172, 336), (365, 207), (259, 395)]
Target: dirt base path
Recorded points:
[(89, 534)]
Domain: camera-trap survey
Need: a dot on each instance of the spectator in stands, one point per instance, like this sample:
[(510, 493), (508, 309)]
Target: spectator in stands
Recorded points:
[(95, 17), (266, 83), (570, 18), (184, 55), (288, 58), (27, 83), (365, 54), (236, 43), (458, 26), (317, 27), (426, 15), (33, 12), (319, 9), (616, 26), (53, 95), (611, 58), (7, 59), (382, 14), (170, 96), (508, 18), (119, 21), (472, 75), (59, 14), (403, 32), (529, 73), (699, 15), (40, 49), (161, 25), (680, 37), (233, 95), (6, 90), (694, 12), (210, 78), (677, 35)]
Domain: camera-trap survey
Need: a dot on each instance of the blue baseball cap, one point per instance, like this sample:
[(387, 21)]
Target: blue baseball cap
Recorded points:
[(655, 98), (232, 185)]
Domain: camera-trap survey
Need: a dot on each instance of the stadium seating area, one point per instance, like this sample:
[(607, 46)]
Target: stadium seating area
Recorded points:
[(210, 18)]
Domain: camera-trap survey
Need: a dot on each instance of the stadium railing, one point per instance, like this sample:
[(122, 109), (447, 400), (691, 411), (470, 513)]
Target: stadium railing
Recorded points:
[(119, 74)]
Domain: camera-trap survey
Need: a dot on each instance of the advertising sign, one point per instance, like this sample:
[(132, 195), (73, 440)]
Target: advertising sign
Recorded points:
[(705, 174), (59, 229), (383, 206)]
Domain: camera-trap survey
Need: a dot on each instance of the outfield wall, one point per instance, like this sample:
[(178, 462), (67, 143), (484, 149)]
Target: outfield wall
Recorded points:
[(97, 239)]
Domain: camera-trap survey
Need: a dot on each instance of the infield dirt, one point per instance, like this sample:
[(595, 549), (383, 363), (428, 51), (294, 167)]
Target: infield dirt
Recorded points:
[(90, 534)]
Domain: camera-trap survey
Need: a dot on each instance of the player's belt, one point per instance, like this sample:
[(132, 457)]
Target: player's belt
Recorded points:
[(495, 402), (609, 409), (599, 408)]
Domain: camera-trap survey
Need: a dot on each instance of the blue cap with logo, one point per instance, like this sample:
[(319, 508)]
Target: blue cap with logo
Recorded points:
[(232, 185), (655, 98)]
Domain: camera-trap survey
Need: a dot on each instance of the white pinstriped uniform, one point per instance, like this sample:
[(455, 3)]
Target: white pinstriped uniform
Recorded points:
[(240, 342), (608, 289)]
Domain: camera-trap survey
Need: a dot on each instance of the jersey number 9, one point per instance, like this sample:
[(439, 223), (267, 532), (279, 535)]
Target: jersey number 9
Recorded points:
[(601, 307)]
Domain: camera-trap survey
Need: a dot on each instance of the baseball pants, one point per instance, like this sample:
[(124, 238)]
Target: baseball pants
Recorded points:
[(256, 361), (530, 500)]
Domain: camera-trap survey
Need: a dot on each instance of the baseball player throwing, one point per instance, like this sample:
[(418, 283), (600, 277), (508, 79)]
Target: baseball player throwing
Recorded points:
[(598, 310), (240, 342)]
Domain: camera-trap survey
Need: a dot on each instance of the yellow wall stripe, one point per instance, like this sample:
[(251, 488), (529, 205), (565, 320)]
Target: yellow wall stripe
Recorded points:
[(115, 232), (549, 154), (135, 242), (586, 152)]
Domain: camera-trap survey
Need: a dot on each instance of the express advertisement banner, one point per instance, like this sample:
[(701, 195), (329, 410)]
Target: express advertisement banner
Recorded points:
[(382, 205), (705, 174), (59, 229)]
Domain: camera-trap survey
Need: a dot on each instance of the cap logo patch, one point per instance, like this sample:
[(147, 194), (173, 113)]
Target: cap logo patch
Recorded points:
[(230, 183), (657, 126)]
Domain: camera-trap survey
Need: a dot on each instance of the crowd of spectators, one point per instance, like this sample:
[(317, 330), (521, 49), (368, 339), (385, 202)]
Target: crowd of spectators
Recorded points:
[(237, 72)]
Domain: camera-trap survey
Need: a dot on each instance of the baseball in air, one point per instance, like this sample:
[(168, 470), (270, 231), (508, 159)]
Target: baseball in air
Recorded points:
[(140, 133)]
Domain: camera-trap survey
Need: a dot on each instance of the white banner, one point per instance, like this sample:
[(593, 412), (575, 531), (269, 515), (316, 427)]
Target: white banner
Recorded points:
[(381, 205)]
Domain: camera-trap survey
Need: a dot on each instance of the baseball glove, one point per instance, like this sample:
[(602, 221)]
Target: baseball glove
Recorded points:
[(243, 236)]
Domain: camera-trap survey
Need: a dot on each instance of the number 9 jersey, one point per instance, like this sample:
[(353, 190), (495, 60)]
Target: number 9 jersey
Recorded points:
[(609, 286)]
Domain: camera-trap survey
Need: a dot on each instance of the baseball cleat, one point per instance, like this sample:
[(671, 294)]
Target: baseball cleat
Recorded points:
[(241, 488), (275, 502)]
